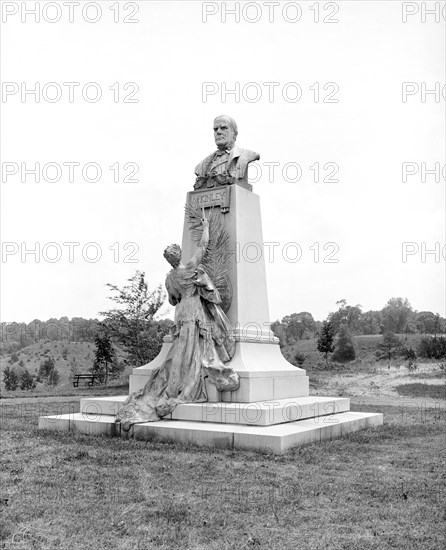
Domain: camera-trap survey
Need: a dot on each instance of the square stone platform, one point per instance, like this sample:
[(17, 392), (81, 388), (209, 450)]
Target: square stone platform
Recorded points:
[(266, 426)]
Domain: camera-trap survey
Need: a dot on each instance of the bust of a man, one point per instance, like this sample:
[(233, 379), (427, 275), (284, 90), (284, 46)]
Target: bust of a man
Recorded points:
[(229, 163)]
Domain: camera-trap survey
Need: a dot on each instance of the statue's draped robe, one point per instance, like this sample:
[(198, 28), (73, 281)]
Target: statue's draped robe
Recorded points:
[(202, 343)]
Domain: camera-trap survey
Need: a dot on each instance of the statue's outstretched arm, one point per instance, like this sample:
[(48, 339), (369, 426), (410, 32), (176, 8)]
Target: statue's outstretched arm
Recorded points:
[(197, 258)]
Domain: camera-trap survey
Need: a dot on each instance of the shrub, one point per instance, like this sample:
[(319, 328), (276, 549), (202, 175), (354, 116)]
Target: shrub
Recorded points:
[(10, 379), (27, 381), (409, 353), (432, 347), (412, 366), (344, 347)]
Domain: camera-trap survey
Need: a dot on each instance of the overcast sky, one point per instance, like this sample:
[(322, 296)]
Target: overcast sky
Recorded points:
[(360, 135)]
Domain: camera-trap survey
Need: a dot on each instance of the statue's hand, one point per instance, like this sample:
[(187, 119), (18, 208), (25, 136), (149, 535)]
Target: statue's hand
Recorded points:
[(204, 220)]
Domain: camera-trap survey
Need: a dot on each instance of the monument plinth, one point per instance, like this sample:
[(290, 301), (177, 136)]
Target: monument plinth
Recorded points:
[(247, 396), (264, 372)]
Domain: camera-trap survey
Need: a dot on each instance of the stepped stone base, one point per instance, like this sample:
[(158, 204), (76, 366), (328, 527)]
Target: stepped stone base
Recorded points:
[(271, 426)]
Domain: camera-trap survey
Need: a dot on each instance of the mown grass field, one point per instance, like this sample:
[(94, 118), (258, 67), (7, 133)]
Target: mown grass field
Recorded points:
[(377, 489)]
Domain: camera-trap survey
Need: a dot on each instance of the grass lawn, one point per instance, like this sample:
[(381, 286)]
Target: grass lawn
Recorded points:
[(377, 489), (417, 389)]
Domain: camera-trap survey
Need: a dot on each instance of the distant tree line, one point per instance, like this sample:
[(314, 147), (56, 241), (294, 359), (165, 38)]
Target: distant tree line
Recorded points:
[(396, 316)]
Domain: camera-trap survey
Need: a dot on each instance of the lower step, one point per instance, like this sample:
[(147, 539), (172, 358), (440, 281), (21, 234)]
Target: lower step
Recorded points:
[(275, 439)]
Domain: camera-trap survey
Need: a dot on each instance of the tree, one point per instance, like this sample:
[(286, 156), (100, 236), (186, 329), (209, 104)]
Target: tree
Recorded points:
[(428, 322), (389, 346), (296, 325), (370, 322), (27, 381), (10, 379), (344, 347), (299, 358), (396, 314), (346, 315), (325, 340), (48, 372), (133, 326), (105, 356), (279, 331), (46, 368), (53, 378)]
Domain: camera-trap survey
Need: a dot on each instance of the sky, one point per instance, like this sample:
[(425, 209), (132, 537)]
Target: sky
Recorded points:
[(345, 118)]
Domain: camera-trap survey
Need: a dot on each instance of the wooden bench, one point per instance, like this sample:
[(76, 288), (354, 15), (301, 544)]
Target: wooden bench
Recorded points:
[(92, 378)]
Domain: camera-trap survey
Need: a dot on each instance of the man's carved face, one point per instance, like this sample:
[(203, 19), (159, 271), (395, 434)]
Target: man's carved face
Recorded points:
[(224, 134)]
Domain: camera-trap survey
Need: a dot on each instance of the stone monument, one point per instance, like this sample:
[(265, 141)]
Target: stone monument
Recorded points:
[(220, 378)]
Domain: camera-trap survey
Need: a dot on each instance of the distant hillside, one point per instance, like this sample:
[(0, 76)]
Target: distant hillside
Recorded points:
[(14, 336), (365, 346), (69, 357)]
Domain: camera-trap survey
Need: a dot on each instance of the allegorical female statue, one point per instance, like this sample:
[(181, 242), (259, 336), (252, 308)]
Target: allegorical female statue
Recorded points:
[(202, 343)]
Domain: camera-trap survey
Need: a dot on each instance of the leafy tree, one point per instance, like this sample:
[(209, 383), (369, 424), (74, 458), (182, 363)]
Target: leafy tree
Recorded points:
[(133, 326), (46, 368), (27, 381), (396, 314), (105, 357), (428, 322), (344, 347), (325, 340), (390, 346), (10, 379), (370, 322), (48, 372), (14, 358), (279, 331), (346, 315), (297, 324)]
